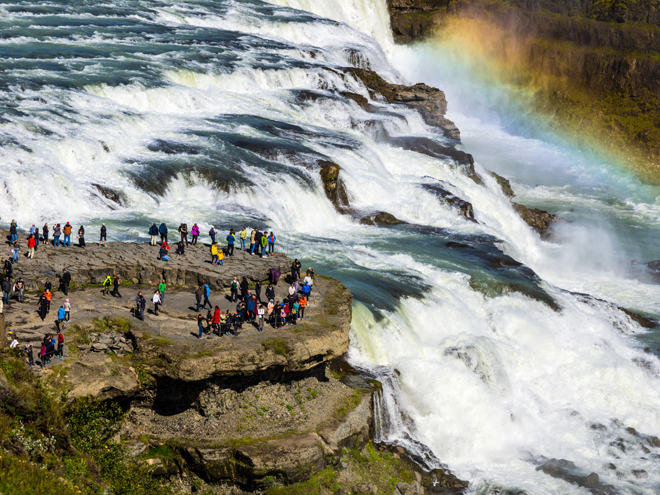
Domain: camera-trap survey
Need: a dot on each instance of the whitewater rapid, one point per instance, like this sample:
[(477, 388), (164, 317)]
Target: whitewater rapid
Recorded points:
[(221, 113)]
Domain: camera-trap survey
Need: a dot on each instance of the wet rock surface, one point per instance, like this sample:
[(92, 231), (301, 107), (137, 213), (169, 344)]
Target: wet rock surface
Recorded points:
[(429, 101)]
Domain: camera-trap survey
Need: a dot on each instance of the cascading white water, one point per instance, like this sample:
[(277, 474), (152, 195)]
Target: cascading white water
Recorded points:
[(219, 114)]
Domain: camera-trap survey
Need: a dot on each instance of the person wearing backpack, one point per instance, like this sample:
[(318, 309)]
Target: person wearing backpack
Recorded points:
[(162, 230), (231, 238), (115, 285), (106, 285), (271, 243), (57, 232), (13, 232), (153, 232), (234, 290)]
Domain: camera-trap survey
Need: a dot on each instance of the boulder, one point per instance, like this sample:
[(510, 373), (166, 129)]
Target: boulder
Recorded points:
[(380, 218)]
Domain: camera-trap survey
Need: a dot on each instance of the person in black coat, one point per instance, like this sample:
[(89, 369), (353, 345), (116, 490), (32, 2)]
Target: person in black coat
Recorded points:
[(244, 288), (66, 280)]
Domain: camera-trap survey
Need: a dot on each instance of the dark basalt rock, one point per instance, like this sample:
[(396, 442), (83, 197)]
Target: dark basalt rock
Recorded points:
[(463, 207), (429, 101), (110, 194), (333, 186), (434, 149), (568, 471), (380, 218), (539, 220)]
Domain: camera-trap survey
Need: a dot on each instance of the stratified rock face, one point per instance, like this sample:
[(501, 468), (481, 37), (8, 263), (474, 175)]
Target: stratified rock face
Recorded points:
[(430, 102)]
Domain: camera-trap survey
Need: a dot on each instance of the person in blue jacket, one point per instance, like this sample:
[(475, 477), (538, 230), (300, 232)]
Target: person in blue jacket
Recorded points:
[(271, 243), (61, 314), (231, 238), (163, 232), (207, 294), (306, 290)]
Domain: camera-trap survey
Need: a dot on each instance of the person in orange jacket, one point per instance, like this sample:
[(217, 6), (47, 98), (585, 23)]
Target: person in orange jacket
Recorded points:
[(302, 301), (67, 234)]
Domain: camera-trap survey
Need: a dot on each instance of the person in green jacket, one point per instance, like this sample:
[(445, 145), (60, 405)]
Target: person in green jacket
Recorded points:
[(264, 243), (161, 291)]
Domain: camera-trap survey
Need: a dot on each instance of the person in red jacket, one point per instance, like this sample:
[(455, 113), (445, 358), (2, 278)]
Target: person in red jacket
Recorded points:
[(31, 243), (216, 320)]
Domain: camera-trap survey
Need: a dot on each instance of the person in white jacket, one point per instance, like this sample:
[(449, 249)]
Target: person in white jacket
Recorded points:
[(157, 302)]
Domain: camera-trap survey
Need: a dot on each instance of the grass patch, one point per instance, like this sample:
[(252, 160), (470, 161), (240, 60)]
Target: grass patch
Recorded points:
[(278, 346), (348, 404)]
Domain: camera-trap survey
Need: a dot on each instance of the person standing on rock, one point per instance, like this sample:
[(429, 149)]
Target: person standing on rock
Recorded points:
[(153, 232), (212, 234), (207, 294), (29, 353), (106, 285), (253, 236), (60, 317), (66, 280), (67, 234), (270, 292), (30, 244), (13, 232), (215, 323), (200, 326), (57, 232), (271, 308), (302, 303), (115, 286), (137, 304), (60, 345), (261, 312), (183, 230), (264, 243), (43, 305), (244, 288), (67, 310), (257, 290), (231, 238), (15, 249), (6, 289), (45, 232), (161, 291), (81, 237), (234, 290), (143, 305), (214, 254), (157, 302), (36, 239), (221, 257), (163, 233), (195, 234), (243, 236), (103, 237), (271, 243), (198, 298), (19, 287), (48, 286)]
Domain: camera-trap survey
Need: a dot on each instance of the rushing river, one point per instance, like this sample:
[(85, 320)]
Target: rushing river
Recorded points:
[(219, 112)]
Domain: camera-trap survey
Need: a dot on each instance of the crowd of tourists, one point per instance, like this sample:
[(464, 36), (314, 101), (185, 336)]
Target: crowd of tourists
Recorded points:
[(250, 307)]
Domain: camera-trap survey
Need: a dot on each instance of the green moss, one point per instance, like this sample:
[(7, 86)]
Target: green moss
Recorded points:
[(277, 345), (348, 404), (318, 484)]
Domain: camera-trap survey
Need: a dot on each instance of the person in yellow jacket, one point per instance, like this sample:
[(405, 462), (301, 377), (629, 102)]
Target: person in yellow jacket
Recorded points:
[(243, 235), (214, 254), (221, 257)]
